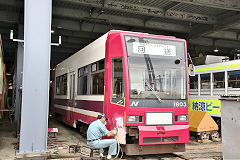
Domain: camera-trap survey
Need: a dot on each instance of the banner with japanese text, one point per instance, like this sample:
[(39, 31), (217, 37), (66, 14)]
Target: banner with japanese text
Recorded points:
[(213, 107)]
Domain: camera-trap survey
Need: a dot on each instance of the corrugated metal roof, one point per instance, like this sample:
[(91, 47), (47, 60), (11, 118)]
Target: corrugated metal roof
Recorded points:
[(151, 3), (69, 5), (184, 7), (118, 13)]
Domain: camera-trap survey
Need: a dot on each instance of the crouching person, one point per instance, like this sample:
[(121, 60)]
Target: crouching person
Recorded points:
[(96, 130)]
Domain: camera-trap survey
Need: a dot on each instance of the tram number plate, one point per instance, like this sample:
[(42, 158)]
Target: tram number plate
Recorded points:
[(156, 118)]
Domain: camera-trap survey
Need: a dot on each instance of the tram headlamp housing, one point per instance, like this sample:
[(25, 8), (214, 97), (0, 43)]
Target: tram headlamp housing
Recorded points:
[(182, 118), (134, 119), (131, 118)]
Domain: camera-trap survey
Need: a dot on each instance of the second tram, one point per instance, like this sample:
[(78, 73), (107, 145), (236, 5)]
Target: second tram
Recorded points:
[(210, 83)]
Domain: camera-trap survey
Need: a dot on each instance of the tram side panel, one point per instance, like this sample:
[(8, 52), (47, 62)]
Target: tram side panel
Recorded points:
[(72, 105)]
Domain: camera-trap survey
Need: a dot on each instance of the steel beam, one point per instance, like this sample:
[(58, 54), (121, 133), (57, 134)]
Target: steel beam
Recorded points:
[(237, 26), (19, 70), (72, 45), (143, 10), (14, 3), (162, 25), (218, 43), (192, 17), (221, 24), (94, 31), (200, 48), (69, 39), (101, 28), (226, 35), (222, 4), (73, 25), (36, 77), (79, 25), (65, 50), (119, 20), (9, 17), (80, 34), (56, 56)]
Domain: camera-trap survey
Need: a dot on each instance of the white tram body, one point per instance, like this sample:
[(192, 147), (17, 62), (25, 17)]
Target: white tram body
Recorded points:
[(210, 83)]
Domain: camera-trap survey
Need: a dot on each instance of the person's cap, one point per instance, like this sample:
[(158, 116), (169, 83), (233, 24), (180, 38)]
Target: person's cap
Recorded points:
[(101, 115)]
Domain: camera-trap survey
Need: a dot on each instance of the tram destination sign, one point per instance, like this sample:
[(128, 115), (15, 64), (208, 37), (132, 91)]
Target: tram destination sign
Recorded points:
[(154, 49)]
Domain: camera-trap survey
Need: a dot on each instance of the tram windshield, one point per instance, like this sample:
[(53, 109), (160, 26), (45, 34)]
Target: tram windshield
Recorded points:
[(157, 68)]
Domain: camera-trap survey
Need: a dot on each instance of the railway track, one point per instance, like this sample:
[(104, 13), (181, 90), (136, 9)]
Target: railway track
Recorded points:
[(170, 156), (213, 153), (173, 156)]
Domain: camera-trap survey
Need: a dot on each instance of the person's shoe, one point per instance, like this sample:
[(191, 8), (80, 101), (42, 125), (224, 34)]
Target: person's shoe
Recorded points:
[(109, 156), (102, 156)]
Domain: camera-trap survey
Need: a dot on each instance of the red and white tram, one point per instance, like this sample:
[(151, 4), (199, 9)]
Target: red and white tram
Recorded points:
[(138, 80)]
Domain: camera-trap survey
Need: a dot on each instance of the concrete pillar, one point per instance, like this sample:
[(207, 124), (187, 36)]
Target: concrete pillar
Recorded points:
[(36, 76), (19, 70)]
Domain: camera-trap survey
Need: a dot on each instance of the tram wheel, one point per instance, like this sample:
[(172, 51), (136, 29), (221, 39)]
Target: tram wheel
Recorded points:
[(204, 136), (215, 135)]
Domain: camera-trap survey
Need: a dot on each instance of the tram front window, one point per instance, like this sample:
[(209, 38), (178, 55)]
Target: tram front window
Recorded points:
[(156, 68)]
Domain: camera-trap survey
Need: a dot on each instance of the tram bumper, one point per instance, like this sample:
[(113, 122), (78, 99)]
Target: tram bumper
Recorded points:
[(149, 135)]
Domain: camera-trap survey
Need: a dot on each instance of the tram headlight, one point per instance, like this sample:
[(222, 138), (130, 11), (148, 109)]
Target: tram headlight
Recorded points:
[(134, 119), (131, 119), (182, 118)]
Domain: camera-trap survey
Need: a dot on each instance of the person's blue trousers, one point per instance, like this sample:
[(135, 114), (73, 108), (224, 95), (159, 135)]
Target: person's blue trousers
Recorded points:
[(111, 143)]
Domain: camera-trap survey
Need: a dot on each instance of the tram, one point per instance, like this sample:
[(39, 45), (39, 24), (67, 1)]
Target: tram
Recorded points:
[(138, 80), (210, 83)]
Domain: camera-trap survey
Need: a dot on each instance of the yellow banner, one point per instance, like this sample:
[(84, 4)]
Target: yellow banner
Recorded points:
[(210, 106)]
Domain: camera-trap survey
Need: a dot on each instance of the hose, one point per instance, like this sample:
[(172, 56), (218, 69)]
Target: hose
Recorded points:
[(119, 148)]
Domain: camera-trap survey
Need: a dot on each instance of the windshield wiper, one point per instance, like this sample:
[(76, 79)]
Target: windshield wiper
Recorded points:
[(153, 91)]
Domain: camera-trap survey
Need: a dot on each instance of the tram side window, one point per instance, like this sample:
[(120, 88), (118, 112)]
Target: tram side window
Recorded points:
[(82, 81), (205, 81), (234, 79), (218, 80), (194, 82), (117, 81), (97, 82), (61, 85)]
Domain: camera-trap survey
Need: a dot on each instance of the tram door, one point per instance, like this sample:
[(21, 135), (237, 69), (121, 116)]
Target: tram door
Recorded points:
[(71, 102)]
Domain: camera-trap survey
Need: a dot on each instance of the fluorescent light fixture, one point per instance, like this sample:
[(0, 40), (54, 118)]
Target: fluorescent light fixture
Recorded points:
[(52, 31)]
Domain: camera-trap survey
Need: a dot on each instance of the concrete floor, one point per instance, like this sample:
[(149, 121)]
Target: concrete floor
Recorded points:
[(7, 140), (70, 136)]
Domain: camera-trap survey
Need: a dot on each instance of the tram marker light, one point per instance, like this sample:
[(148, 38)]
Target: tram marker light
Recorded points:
[(140, 119)]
